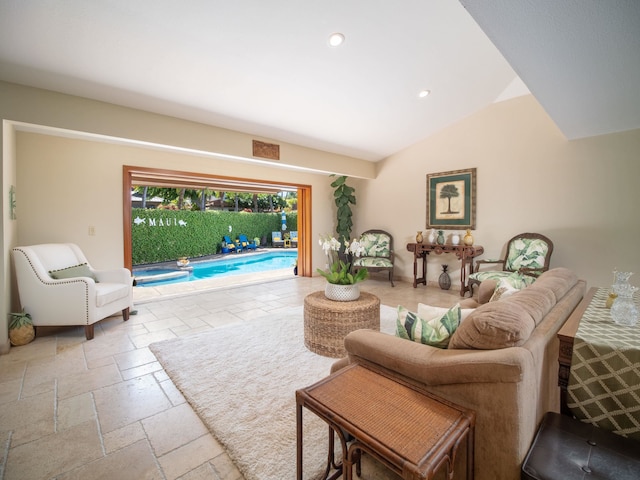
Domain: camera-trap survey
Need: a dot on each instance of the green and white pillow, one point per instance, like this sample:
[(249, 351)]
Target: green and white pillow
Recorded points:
[(81, 270), (435, 332), (504, 289)]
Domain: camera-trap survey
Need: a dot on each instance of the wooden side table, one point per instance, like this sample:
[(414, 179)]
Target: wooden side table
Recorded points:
[(327, 322), (465, 254), (412, 432)]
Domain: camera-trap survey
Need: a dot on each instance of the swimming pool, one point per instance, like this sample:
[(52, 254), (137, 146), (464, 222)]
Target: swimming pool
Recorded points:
[(233, 264)]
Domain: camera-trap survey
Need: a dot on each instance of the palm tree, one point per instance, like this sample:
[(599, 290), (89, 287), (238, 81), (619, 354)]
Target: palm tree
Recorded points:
[(449, 191)]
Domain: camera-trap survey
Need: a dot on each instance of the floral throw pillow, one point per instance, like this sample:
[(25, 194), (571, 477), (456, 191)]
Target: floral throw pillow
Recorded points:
[(435, 332)]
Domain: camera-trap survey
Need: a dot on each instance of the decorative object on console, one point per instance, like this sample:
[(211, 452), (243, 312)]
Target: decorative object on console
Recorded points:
[(451, 199), (444, 280), (618, 278), (440, 239), (455, 239), (419, 238), (468, 238), (432, 236)]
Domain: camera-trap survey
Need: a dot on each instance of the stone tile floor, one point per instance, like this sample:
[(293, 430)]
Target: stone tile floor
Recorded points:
[(105, 409)]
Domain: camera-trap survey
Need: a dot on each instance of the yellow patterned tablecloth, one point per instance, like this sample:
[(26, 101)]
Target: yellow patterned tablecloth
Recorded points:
[(604, 383)]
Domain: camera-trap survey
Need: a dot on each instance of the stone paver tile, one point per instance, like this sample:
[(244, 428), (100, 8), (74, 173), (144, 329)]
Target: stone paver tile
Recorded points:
[(122, 437), (74, 411), (173, 428), (54, 454), (129, 401), (134, 358), (134, 462), (184, 459), (88, 381), (29, 418)]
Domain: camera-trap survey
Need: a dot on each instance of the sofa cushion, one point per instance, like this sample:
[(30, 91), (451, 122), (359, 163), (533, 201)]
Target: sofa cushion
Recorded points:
[(536, 301), (494, 325), (434, 331), (560, 280), (81, 270)]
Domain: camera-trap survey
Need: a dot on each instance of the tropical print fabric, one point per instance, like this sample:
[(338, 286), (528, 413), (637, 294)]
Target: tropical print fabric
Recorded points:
[(375, 245), (372, 262), (516, 279), (435, 332), (526, 253)]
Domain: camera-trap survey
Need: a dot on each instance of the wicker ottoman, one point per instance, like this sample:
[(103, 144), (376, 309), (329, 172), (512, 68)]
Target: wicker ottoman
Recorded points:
[(327, 322)]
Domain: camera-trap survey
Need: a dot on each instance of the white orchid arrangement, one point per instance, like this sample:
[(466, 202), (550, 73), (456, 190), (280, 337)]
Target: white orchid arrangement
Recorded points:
[(339, 272)]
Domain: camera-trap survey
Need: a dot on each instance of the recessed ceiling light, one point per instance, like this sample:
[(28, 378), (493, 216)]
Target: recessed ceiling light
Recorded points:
[(336, 39), (424, 93)]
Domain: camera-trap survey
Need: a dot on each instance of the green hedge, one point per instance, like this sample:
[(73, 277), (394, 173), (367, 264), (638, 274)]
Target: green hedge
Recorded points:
[(165, 235)]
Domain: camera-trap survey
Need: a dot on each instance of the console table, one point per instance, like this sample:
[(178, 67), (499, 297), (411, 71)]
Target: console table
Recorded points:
[(412, 432), (465, 254), (599, 373)]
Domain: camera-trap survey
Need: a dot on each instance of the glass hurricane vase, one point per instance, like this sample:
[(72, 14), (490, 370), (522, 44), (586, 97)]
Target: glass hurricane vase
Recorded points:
[(624, 311)]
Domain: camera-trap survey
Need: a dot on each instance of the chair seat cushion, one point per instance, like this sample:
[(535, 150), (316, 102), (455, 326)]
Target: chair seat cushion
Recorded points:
[(498, 275), (567, 449), (110, 292), (372, 262)]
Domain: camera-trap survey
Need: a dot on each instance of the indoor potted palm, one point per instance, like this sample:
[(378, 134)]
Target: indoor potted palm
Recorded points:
[(21, 329)]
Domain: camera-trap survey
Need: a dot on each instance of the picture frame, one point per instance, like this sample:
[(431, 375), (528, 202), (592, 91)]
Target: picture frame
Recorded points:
[(451, 200)]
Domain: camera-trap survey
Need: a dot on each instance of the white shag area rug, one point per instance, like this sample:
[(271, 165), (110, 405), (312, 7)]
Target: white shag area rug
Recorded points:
[(241, 380)]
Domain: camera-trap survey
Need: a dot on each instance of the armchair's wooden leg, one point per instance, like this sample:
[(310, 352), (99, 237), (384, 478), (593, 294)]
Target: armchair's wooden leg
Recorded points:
[(125, 314), (88, 331)]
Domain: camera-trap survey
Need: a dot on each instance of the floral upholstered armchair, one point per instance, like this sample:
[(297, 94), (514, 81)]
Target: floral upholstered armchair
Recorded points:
[(528, 254), (378, 253)]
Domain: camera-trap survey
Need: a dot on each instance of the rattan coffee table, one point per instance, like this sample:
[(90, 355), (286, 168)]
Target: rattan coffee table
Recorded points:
[(411, 431), (327, 322)]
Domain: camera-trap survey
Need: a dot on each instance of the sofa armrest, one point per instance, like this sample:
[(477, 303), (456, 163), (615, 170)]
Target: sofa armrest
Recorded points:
[(435, 366), (489, 262), (115, 275)]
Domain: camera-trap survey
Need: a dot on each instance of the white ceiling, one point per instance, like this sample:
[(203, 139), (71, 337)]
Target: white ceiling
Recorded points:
[(264, 67)]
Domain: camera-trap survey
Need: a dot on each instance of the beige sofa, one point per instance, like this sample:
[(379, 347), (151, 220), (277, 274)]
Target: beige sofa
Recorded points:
[(502, 362)]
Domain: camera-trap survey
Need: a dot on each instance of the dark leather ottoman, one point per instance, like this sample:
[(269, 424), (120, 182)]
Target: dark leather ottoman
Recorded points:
[(568, 449)]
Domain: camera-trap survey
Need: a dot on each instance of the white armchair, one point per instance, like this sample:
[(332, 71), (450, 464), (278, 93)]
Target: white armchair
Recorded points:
[(57, 286)]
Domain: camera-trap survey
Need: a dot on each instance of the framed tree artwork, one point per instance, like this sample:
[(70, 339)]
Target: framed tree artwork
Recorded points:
[(451, 200)]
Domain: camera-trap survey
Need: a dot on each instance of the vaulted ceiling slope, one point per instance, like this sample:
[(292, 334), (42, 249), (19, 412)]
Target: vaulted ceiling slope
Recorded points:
[(265, 68), (579, 58)]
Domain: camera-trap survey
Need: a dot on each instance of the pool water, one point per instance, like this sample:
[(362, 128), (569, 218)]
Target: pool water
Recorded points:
[(233, 264)]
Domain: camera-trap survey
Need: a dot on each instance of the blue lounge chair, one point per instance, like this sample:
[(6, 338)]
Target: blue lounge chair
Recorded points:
[(276, 239), (245, 243), (232, 246), (293, 236)]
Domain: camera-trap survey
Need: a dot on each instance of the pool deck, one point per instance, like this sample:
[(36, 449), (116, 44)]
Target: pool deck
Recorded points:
[(148, 294)]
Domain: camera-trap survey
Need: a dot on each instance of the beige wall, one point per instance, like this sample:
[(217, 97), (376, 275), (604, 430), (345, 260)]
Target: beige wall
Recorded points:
[(583, 194), (66, 185)]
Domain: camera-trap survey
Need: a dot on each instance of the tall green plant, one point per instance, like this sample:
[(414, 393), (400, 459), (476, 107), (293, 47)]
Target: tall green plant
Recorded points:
[(344, 197)]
